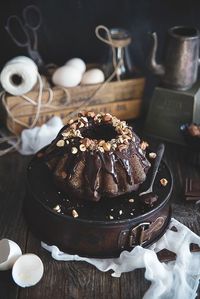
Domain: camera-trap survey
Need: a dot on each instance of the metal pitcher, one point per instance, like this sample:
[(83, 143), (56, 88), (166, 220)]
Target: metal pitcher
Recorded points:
[(181, 59)]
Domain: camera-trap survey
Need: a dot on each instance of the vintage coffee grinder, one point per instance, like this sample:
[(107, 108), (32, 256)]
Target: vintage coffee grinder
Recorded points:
[(177, 100)]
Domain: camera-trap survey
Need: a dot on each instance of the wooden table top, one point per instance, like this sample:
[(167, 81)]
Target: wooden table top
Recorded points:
[(76, 280)]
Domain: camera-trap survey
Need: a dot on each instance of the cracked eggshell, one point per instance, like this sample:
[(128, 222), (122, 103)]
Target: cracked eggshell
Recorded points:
[(9, 253), (93, 76), (77, 63), (67, 76), (27, 270)]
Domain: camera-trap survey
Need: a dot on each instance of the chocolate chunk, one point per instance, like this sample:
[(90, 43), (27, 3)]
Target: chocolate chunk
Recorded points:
[(192, 189), (194, 130)]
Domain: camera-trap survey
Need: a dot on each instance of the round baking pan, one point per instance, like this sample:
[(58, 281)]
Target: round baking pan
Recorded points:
[(95, 233)]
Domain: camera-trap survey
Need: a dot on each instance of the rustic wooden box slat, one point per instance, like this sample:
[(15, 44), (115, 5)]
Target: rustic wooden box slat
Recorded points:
[(121, 98)]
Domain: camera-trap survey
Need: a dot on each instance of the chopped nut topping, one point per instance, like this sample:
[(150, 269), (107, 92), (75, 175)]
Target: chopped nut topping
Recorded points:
[(57, 208), (73, 126), (78, 133), (80, 124), (126, 141), (164, 182), (60, 143), (91, 114), (70, 121), (131, 200), (84, 120), (74, 150), (107, 146), (82, 148), (121, 147), (120, 139), (98, 115), (101, 149), (107, 117), (86, 142), (152, 155), (144, 145), (114, 146), (82, 113), (111, 217), (101, 142), (125, 133), (66, 134), (74, 213)]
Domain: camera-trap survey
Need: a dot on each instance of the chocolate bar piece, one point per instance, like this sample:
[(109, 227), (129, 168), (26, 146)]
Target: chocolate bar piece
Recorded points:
[(166, 256), (192, 189)]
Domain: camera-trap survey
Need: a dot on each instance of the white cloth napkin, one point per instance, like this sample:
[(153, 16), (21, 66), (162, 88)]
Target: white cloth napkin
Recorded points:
[(173, 280), (32, 140)]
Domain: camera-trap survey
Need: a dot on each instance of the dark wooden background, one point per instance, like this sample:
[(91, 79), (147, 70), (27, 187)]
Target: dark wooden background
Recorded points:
[(68, 27)]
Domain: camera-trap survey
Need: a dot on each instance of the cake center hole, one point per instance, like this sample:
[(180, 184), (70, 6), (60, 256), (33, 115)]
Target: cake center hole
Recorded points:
[(102, 131)]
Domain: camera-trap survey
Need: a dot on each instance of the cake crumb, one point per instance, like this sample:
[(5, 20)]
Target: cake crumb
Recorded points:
[(74, 213), (131, 200), (39, 155), (152, 155), (164, 182), (74, 150), (111, 217), (57, 208)]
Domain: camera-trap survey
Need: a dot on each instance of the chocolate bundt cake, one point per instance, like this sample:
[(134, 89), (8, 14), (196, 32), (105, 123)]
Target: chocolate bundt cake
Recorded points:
[(96, 156)]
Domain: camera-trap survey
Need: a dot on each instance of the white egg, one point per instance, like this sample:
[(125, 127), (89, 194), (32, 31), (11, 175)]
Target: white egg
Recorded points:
[(9, 253), (93, 76), (27, 270), (78, 63), (67, 76)]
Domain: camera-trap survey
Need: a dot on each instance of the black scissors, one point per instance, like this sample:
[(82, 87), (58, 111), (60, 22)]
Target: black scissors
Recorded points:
[(24, 31)]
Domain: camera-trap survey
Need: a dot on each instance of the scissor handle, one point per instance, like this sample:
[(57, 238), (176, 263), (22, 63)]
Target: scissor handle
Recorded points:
[(13, 19), (32, 17)]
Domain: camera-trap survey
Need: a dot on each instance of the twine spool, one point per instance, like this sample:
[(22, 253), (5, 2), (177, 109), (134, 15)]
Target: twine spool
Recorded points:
[(19, 75)]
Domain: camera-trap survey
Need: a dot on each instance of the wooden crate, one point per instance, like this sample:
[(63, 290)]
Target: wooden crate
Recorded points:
[(121, 98)]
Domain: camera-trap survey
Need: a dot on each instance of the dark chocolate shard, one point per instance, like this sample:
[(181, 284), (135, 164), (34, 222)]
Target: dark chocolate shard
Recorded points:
[(192, 189)]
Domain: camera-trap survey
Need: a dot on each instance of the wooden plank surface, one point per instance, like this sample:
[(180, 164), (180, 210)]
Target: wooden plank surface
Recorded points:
[(77, 280)]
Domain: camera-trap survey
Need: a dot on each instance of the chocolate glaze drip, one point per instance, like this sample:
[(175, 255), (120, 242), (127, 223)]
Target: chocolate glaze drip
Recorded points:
[(108, 163), (92, 169), (124, 161)]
